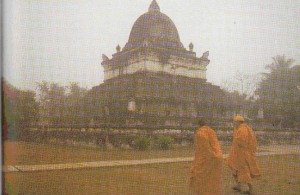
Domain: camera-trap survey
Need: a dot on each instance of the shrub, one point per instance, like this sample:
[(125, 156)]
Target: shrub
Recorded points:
[(226, 138), (263, 140), (164, 142), (142, 143)]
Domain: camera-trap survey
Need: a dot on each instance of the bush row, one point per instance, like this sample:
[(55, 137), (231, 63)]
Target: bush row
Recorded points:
[(162, 143), (143, 141)]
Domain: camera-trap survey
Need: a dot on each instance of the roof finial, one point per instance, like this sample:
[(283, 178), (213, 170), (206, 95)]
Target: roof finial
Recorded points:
[(191, 46), (118, 48), (154, 7)]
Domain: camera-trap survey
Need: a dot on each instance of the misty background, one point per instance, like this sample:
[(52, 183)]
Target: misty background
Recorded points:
[(62, 41)]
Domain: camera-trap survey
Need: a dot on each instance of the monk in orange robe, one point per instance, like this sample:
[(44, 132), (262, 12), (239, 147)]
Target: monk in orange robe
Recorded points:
[(206, 171), (242, 158)]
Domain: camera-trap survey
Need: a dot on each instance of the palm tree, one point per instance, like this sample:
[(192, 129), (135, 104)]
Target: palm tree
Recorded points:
[(277, 90)]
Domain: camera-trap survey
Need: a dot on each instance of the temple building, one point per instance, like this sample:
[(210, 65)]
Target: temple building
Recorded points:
[(154, 81)]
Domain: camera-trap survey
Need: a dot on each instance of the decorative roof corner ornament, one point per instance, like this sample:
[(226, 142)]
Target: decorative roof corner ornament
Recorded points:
[(204, 61), (154, 7), (205, 55), (104, 58)]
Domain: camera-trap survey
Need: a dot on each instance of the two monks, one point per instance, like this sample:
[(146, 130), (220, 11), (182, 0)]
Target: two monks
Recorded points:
[(206, 171)]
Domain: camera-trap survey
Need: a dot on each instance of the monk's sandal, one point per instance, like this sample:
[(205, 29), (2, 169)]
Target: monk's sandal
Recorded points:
[(245, 189), (236, 188)]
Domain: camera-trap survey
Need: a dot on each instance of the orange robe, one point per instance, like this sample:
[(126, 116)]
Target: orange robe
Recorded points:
[(206, 171), (242, 159)]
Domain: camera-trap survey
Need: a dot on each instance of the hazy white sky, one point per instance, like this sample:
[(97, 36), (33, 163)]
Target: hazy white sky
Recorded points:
[(62, 41)]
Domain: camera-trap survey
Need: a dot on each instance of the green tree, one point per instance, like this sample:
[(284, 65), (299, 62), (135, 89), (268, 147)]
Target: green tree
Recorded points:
[(20, 110), (62, 106), (52, 101), (278, 92), (76, 105)]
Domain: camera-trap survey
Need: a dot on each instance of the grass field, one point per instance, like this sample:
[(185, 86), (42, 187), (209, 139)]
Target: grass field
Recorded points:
[(280, 177), (20, 153), (280, 173)]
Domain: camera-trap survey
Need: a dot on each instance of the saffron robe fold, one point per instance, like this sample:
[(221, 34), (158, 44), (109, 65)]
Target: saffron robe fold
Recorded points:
[(242, 158), (206, 171)]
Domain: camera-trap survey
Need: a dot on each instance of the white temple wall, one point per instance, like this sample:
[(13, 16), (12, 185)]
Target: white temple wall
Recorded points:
[(155, 66), (133, 68)]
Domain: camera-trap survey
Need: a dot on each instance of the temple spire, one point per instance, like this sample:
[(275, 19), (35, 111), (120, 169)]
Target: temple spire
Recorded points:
[(154, 7)]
